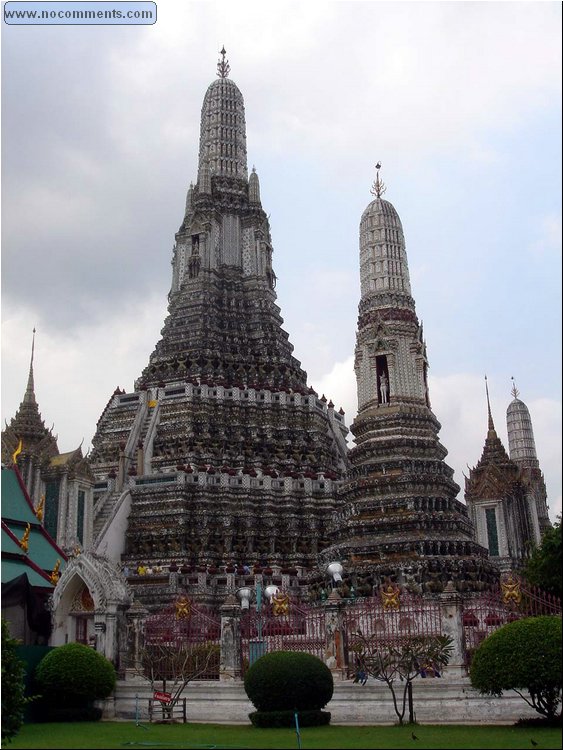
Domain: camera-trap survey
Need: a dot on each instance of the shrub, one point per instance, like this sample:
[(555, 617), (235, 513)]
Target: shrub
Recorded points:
[(67, 713), (289, 681), (267, 719), (72, 677), (13, 700), (524, 655)]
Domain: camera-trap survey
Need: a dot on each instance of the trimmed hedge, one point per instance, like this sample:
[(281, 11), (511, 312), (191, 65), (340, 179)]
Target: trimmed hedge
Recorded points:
[(70, 678), (289, 681), (522, 655), (267, 719)]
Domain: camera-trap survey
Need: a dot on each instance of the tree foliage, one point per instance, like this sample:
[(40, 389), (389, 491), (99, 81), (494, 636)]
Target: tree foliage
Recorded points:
[(13, 699), (544, 568), (524, 656), (402, 661), (289, 681)]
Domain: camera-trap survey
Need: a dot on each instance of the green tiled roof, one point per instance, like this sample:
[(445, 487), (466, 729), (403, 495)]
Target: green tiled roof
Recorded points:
[(40, 550), (14, 504), (8, 544), (14, 568)]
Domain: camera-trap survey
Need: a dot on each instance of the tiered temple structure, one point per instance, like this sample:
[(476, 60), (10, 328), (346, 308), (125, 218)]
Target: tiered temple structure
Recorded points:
[(398, 517), (221, 455), (222, 468)]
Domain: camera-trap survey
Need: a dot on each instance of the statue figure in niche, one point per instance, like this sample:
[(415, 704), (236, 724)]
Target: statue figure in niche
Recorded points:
[(384, 388)]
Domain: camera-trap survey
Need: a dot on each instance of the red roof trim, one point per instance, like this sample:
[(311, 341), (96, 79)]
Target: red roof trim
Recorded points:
[(24, 557)]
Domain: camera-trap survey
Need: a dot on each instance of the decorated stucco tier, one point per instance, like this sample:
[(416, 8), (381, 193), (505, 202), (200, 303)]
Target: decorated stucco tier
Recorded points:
[(221, 453), (398, 516)]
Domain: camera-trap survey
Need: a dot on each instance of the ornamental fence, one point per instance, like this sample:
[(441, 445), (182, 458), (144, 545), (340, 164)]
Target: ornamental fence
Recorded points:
[(391, 618), (182, 638), (289, 627), (333, 630), (511, 600)]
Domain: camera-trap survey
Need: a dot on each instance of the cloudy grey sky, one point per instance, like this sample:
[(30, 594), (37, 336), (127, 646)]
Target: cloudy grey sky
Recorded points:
[(460, 101)]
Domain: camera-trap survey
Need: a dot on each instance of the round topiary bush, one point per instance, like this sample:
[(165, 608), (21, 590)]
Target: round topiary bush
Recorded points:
[(70, 678), (523, 655), (289, 681)]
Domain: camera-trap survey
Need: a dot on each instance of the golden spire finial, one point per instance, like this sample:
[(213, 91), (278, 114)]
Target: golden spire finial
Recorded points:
[(55, 575), (223, 67), (39, 509), (24, 541), (17, 452), (515, 392), (378, 187)]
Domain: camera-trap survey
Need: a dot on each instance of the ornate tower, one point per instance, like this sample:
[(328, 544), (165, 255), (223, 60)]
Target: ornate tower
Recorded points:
[(61, 483), (496, 497), (221, 454), (399, 516), (522, 448)]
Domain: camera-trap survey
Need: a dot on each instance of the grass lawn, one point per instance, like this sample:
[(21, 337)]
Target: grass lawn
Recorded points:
[(107, 734)]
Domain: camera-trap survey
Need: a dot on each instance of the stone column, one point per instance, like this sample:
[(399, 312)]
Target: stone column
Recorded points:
[(230, 664), (452, 625), (334, 652)]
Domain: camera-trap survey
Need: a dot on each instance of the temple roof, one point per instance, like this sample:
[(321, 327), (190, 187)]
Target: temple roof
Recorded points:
[(28, 426), (19, 518)]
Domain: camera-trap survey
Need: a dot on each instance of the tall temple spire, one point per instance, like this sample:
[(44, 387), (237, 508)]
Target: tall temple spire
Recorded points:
[(521, 443), (29, 396), (222, 397), (27, 424), (222, 142), (491, 425), (399, 514)]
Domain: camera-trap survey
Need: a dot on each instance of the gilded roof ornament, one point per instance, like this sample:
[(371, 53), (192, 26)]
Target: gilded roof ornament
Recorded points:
[(223, 67), (24, 541), (378, 187), (40, 509), (17, 452), (515, 392)]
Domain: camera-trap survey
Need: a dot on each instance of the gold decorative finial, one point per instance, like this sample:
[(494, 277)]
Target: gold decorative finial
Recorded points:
[(24, 541), (39, 509), (223, 67), (515, 392), (378, 187), (55, 575), (17, 452)]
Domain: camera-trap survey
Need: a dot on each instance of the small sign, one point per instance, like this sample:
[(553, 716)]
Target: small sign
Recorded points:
[(162, 697)]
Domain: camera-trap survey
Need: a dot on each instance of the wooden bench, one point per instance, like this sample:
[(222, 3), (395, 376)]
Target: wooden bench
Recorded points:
[(166, 713)]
